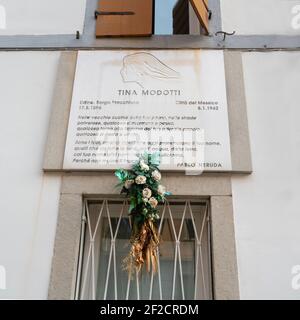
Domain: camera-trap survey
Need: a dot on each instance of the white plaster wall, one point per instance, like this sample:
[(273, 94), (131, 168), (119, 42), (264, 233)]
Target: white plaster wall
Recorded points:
[(261, 17), (39, 17), (267, 203), (29, 200)]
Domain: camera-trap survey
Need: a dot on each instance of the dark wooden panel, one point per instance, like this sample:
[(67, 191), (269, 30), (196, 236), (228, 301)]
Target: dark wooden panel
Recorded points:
[(181, 17)]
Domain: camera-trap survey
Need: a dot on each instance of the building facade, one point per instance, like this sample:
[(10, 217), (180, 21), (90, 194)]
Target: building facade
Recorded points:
[(229, 233)]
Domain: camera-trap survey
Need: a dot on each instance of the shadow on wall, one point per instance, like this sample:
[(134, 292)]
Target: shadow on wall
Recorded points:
[(2, 17)]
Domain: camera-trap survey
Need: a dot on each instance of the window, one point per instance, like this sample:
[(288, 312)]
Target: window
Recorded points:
[(144, 18), (190, 17), (184, 269)]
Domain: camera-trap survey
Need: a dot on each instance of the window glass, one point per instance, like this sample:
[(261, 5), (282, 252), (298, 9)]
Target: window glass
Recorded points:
[(176, 17), (164, 16)]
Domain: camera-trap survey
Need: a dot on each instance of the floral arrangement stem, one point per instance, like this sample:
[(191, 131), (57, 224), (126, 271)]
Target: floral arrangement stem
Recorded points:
[(144, 244), (142, 186)]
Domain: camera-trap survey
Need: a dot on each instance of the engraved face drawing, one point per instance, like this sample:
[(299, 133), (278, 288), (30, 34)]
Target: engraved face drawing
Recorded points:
[(143, 68)]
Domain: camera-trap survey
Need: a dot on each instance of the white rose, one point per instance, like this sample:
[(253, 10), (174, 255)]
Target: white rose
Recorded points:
[(156, 175), (153, 202), (145, 200), (128, 183), (161, 190), (147, 193), (140, 180), (144, 166)]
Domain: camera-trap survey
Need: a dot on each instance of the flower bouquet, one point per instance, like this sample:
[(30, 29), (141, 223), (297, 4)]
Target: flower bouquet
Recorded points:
[(142, 185)]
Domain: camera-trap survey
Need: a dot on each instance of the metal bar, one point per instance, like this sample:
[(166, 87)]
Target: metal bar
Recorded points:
[(115, 270), (159, 278), (137, 285), (151, 285), (113, 13), (176, 252), (179, 252), (110, 253), (98, 221), (80, 259), (113, 241), (93, 271), (89, 252), (180, 270), (196, 270), (89, 222), (85, 273), (211, 293), (158, 260), (128, 285), (193, 222), (162, 219), (108, 272), (203, 224), (202, 271), (174, 271), (197, 252), (182, 221), (172, 223), (93, 248), (109, 221)]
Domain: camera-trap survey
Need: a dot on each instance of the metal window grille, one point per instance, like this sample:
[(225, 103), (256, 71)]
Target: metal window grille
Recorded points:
[(184, 266)]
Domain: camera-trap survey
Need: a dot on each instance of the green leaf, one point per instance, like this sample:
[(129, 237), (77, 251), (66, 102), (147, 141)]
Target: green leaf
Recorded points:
[(140, 196), (118, 185), (121, 174), (132, 204), (140, 218), (155, 159)]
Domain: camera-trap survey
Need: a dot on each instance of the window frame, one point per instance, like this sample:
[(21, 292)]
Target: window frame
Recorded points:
[(202, 249), (77, 187)]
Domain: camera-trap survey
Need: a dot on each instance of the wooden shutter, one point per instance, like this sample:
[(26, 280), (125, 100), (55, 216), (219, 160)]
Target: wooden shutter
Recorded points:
[(201, 9), (124, 18)]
